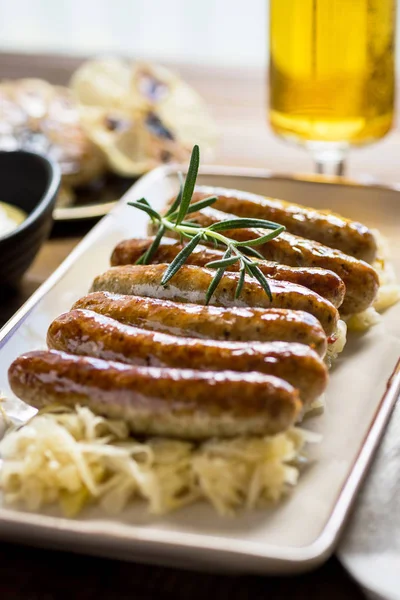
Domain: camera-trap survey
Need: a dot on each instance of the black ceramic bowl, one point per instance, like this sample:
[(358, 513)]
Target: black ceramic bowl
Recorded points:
[(30, 182)]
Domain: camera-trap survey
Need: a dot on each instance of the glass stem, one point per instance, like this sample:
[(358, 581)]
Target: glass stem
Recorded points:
[(329, 158)]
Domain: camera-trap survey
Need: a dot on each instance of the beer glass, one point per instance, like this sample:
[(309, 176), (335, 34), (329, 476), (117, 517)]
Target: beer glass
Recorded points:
[(331, 74)]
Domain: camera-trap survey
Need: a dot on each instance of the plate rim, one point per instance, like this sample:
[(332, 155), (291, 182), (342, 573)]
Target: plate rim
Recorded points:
[(302, 557), (98, 210)]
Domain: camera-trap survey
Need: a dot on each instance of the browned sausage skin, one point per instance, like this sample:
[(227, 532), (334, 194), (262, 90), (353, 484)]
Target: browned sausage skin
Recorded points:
[(209, 322), (360, 279), (321, 281), (323, 226), (154, 401), (88, 334), (190, 284)]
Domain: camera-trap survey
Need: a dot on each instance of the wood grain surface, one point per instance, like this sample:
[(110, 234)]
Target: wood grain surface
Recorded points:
[(237, 100)]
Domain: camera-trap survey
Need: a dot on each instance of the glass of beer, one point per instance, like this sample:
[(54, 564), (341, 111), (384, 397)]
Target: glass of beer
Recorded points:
[(331, 74)]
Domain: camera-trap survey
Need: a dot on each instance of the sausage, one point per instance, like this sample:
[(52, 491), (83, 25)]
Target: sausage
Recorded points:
[(155, 401), (360, 279), (323, 226), (89, 334), (190, 284), (210, 322), (321, 281)]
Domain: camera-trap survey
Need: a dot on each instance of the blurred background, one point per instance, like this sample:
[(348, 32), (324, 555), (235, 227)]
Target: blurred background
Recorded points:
[(224, 33), (220, 47), (210, 32)]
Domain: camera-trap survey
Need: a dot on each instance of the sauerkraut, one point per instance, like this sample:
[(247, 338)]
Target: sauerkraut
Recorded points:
[(388, 293), (74, 458), (337, 344)]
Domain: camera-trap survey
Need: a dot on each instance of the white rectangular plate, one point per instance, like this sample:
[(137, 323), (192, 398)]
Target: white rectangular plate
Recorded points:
[(302, 531)]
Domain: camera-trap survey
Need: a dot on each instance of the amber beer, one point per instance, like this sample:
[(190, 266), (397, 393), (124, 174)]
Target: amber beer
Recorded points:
[(332, 69)]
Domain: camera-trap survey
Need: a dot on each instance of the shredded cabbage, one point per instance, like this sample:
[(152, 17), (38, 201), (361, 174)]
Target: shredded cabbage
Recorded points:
[(388, 293), (364, 320), (338, 344), (76, 457), (316, 408)]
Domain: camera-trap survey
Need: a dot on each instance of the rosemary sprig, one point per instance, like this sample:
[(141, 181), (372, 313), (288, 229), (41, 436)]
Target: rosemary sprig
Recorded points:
[(175, 220)]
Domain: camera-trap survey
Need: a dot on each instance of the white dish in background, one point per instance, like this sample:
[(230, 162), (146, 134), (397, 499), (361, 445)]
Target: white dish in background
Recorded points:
[(302, 531)]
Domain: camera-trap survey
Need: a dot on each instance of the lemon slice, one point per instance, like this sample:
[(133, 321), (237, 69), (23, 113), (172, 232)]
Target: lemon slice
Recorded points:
[(130, 144), (178, 106), (141, 115), (102, 83)]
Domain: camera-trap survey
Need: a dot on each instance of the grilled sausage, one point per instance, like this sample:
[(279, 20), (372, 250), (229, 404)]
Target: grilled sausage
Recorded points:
[(190, 284), (155, 401), (330, 229), (360, 279), (209, 322), (89, 334), (325, 283)]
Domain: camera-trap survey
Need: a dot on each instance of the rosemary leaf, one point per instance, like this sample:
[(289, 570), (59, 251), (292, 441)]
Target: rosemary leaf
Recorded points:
[(214, 284), (251, 252), (259, 275), (217, 278), (196, 206), (155, 216), (151, 250), (144, 201), (190, 182), (240, 282), (224, 262), (187, 235), (174, 206), (180, 259), (245, 223), (262, 239)]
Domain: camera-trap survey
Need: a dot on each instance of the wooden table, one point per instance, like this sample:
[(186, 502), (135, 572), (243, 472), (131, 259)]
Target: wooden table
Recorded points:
[(237, 101)]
